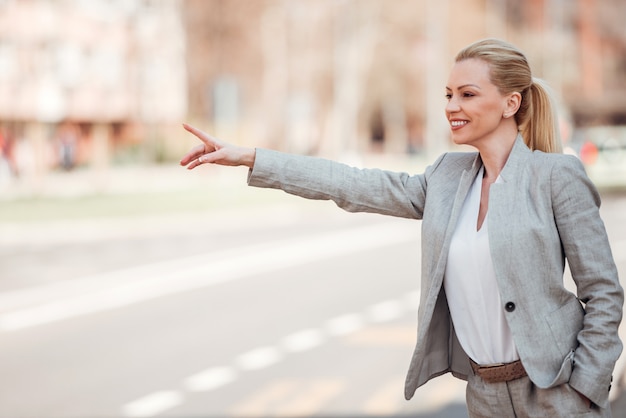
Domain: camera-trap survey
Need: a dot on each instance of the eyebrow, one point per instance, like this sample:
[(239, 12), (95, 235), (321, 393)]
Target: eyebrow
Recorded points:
[(463, 86)]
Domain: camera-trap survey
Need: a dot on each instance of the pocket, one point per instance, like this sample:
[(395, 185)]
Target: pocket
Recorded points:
[(561, 401), (565, 372), (583, 406), (565, 323)]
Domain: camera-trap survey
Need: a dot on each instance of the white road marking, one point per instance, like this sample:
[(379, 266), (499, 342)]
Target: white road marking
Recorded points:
[(263, 357), (303, 340), (210, 379), (127, 287), (386, 311), (153, 404), (345, 324), (259, 358)]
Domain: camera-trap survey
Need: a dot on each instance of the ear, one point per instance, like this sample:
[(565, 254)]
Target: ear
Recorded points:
[(513, 102)]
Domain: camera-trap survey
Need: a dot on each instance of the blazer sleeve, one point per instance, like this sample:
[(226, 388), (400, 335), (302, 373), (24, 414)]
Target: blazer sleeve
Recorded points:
[(352, 189), (576, 203)]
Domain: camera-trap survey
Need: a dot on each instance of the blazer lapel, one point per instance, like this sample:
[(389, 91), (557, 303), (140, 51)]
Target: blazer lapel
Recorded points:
[(465, 182), (467, 179), (504, 200)]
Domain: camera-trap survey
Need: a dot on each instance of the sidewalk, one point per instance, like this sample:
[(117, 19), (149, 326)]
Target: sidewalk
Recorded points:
[(172, 177), (117, 180)]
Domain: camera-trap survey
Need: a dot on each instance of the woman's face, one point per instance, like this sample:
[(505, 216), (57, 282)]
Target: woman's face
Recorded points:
[(475, 106)]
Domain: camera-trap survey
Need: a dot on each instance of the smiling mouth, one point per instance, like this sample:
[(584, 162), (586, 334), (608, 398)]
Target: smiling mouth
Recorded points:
[(458, 123)]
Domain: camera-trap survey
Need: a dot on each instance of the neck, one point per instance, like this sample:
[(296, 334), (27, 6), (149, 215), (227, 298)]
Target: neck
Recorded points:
[(495, 155)]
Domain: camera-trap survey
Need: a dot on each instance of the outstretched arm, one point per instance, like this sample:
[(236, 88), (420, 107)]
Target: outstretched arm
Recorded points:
[(351, 188), (214, 151)]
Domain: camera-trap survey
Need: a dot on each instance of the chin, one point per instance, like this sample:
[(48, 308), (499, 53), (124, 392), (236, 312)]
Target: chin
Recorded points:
[(464, 141), (460, 140)]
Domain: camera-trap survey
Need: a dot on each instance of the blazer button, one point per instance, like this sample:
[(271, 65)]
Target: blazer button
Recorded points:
[(510, 306)]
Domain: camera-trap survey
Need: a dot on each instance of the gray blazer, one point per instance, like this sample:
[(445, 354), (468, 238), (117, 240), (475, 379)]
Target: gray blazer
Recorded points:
[(545, 211)]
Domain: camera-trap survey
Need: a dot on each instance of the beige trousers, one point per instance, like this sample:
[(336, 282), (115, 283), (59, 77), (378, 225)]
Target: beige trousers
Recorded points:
[(522, 399)]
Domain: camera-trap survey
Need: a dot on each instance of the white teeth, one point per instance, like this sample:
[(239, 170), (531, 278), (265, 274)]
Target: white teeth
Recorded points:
[(458, 122)]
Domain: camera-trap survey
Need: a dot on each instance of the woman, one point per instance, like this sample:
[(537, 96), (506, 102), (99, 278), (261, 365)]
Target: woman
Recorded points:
[(497, 228)]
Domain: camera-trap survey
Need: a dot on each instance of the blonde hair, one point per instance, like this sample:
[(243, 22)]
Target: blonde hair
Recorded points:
[(510, 72)]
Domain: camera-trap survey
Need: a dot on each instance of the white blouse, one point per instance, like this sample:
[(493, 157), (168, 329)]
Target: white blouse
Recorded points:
[(471, 288)]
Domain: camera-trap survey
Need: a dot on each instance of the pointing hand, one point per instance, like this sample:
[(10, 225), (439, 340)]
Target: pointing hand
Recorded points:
[(214, 151)]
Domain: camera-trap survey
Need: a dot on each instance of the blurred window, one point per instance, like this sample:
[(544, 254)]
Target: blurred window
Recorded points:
[(225, 100)]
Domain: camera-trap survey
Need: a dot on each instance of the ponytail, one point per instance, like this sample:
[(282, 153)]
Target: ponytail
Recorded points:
[(538, 120)]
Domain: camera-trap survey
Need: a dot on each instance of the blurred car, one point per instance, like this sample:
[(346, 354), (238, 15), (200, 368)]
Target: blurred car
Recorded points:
[(602, 149)]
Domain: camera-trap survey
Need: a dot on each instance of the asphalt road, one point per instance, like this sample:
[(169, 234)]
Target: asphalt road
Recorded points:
[(285, 309)]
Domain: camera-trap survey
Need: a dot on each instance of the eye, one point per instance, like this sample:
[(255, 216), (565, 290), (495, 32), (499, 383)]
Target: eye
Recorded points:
[(468, 94), (448, 96)]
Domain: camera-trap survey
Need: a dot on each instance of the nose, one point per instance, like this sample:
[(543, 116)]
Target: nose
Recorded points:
[(452, 106)]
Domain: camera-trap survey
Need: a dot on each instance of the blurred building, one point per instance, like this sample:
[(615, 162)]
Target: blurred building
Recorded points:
[(336, 76), (90, 82), (80, 79)]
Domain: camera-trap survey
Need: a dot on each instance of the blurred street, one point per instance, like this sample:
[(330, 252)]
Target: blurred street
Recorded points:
[(251, 304)]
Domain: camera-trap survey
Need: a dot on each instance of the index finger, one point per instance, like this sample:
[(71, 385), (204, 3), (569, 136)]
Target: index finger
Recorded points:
[(202, 136)]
